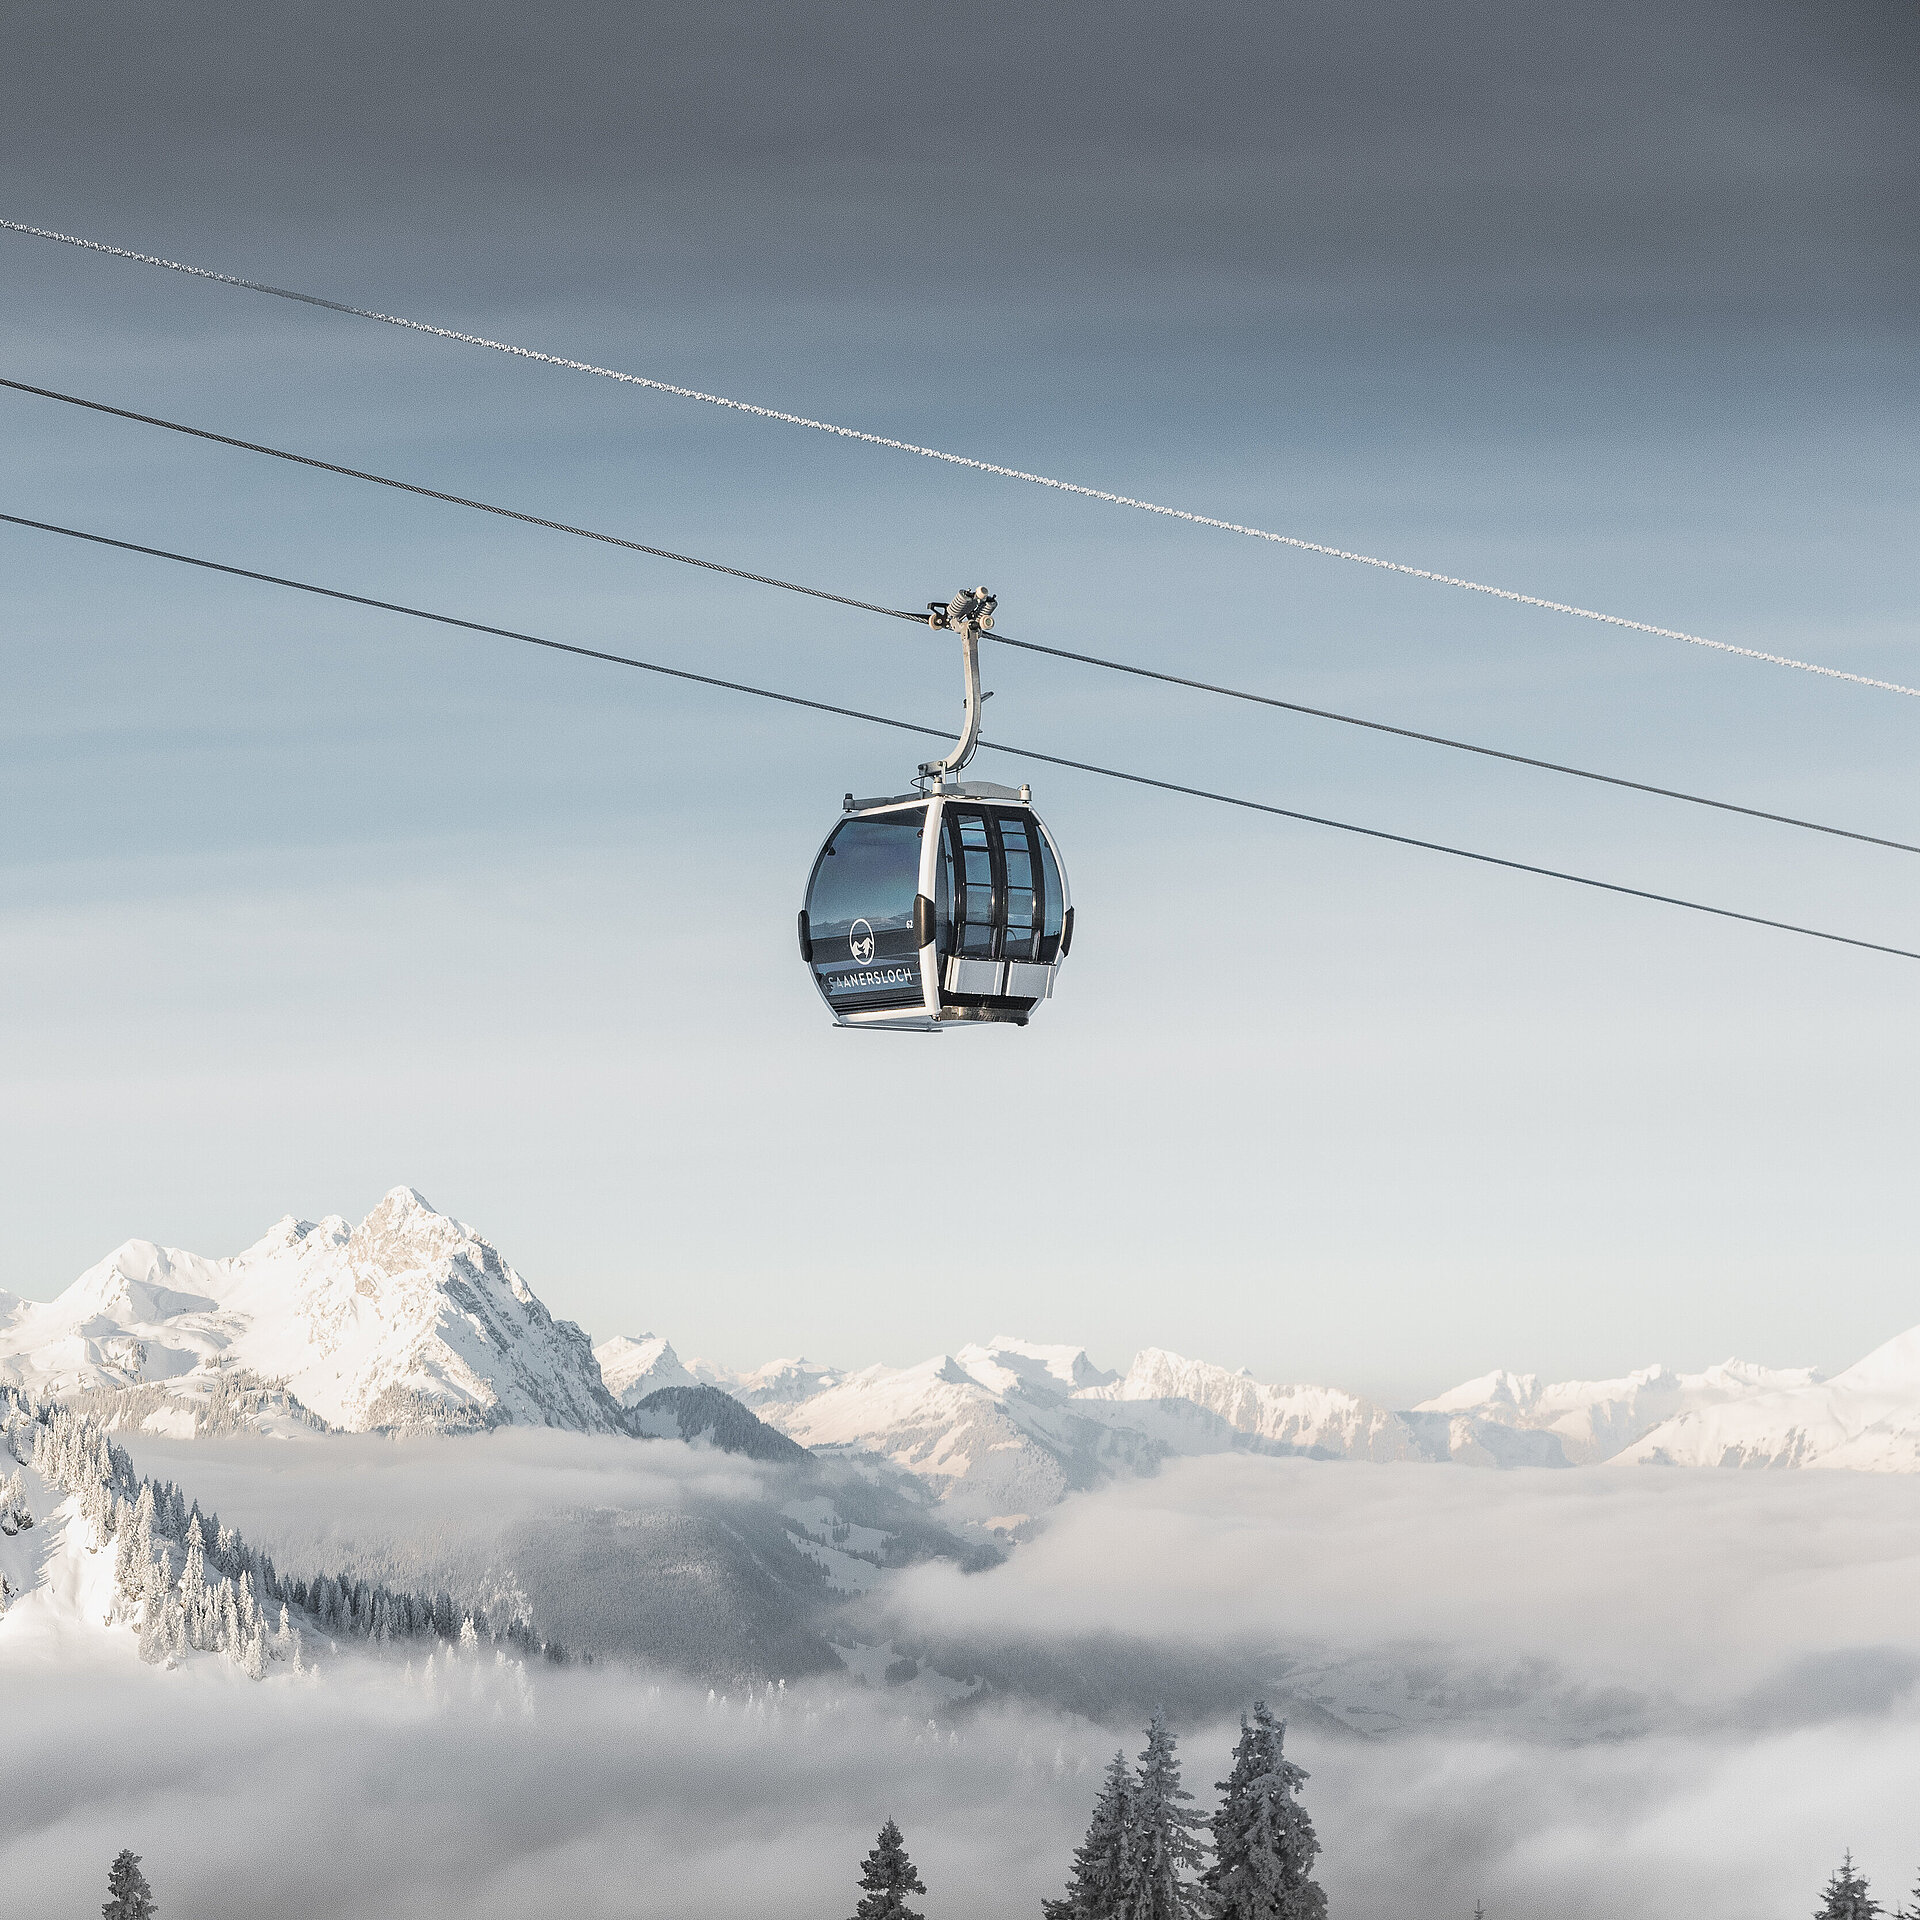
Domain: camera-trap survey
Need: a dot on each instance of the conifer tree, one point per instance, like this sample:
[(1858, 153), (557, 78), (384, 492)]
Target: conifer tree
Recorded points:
[(1911, 1911), (886, 1878), (1846, 1896), (143, 1527), (124, 1542), (1264, 1844), (1099, 1879), (132, 1898), (1162, 1853), (193, 1582)]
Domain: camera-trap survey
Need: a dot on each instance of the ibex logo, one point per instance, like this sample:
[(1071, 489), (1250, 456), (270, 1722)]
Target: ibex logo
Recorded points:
[(860, 939)]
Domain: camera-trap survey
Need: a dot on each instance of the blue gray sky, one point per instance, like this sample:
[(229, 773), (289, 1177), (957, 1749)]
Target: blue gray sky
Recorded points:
[(1615, 307)]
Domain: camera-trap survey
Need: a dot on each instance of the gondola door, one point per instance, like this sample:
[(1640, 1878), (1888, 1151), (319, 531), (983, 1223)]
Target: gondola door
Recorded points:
[(1007, 900)]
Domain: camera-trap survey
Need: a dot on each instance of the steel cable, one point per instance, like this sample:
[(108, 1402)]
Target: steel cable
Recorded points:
[(998, 746), (955, 459), (1004, 639)]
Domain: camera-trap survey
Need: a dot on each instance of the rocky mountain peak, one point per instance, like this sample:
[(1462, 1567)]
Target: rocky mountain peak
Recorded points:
[(408, 1320), (402, 1235)]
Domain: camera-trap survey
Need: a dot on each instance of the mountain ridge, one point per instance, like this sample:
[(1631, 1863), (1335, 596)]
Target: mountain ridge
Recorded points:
[(411, 1320)]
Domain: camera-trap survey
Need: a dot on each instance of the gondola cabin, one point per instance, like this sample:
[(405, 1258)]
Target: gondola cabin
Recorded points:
[(925, 912)]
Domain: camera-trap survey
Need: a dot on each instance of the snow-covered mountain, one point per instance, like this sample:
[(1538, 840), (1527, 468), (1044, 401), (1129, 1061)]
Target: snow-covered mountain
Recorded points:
[(408, 1320), (1314, 1420), (777, 1383), (411, 1319), (1594, 1420), (1003, 1430), (995, 1429), (1867, 1417), (634, 1366)]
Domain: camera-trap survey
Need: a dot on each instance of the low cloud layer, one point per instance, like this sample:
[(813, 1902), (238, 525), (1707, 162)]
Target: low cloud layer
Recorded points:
[(359, 1794), (402, 1507), (1767, 1616), (1706, 1583)]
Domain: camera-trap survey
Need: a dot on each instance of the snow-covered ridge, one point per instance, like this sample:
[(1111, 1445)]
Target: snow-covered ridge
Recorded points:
[(633, 1366), (411, 1319), (408, 1320), (1002, 1430), (1595, 1419)]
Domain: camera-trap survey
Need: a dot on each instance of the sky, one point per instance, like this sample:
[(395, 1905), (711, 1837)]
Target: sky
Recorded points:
[(1615, 307)]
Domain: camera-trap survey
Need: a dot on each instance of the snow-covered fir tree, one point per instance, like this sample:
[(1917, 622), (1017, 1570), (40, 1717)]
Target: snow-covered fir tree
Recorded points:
[(1846, 1896), (1263, 1841), (886, 1878), (129, 1896), (15, 1515), (1162, 1855), (1099, 1880), (195, 1584)]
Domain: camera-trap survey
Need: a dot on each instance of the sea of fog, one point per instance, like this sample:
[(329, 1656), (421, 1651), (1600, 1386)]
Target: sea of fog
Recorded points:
[(1612, 1691)]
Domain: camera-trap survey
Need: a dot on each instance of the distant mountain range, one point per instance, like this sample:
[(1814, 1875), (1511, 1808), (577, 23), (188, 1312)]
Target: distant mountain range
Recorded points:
[(411, 1321), (1003, 1430)]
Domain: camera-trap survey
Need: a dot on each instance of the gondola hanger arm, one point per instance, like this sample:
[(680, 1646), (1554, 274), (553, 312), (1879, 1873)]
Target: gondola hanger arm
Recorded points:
[(969, 614)]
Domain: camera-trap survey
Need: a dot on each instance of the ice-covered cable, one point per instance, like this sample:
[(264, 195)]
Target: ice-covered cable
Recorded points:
[(964, 460), (997, 746)]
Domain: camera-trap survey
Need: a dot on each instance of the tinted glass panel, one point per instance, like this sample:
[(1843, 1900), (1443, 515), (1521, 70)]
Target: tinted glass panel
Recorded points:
[(1022, 908), (1056, 901), (970, 845), (870, 871), (860, 912)]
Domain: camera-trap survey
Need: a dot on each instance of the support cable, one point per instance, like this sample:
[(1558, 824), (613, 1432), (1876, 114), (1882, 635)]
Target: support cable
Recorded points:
[(998, 746), (1003, 639), (957, 459)]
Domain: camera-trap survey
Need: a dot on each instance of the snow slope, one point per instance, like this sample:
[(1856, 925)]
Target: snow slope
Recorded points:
[(633, 1367), (408, 1320), (60, 1609), (995, 1429), (1302, 1419), (1004, 1430), (1866, 1418), (1596, 1419), (780, 1383)]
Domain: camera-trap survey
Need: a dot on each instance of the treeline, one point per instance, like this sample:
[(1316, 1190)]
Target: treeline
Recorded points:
[(235, 1401), (1149, 1856), (195, 1583), (1848, 1897)]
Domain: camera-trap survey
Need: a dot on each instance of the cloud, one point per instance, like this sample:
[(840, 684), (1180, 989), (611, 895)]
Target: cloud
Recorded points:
[(1704, 1583), (358, 1794), (614, 1795), (1774, 1609), (386, 1504), (1375, 159)]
